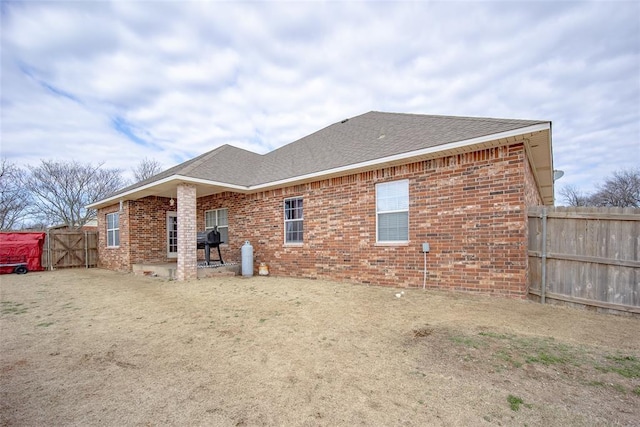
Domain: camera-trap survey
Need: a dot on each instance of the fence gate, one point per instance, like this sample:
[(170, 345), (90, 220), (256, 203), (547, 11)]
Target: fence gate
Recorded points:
[(65, 249), (585, 256)]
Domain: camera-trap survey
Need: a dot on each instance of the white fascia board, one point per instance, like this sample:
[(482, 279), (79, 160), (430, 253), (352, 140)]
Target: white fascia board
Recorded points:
[(178, 178), (408, 155), (192, 180)]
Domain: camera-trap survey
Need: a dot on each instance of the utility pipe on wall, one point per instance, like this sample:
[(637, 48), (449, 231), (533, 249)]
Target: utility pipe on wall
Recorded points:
[(425, 250), (424, 281)]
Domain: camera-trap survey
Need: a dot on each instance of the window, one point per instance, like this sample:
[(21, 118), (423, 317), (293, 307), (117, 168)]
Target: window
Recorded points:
[(293, 219), (392, 211), (219, 218), (113, 229)]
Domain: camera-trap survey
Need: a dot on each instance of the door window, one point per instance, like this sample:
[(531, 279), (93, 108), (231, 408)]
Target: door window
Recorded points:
[(172, 235)]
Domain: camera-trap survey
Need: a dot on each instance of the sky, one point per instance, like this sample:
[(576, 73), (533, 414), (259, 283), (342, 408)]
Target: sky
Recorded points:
[(119, 81)]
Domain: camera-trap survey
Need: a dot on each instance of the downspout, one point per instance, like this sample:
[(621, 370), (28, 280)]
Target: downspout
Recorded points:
[(543, 285)]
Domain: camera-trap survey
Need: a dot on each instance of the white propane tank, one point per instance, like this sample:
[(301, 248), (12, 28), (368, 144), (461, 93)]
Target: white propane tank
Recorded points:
[(247, 259)]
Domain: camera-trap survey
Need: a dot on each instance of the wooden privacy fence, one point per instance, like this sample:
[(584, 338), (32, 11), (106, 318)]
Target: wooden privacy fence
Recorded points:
[(587, 256), (65, 249)]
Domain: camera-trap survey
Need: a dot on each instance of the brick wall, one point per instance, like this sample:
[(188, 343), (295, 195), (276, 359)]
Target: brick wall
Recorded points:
[(148, 217), (471, 208), (531, 195), (114, 258)]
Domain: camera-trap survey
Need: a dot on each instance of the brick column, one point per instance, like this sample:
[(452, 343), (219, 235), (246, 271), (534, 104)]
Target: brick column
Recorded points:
[(187, 233)]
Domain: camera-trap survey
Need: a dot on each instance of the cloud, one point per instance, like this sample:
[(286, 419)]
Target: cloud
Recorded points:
[(120, 81)]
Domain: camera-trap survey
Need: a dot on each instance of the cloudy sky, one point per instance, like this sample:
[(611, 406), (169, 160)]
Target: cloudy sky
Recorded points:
[(168, 80)]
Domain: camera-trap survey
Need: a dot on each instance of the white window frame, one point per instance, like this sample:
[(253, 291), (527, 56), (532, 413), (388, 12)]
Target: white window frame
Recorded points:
[(171, 214), (113, 234), (391, 211), (217, 223), (289, 221)]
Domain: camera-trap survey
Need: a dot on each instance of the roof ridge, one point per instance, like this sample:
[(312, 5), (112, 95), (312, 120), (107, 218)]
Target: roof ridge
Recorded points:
[(306, 136), (197, 161), (450, 117)]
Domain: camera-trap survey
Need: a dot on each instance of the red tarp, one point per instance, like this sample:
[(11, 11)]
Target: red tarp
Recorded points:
[(21, 247)]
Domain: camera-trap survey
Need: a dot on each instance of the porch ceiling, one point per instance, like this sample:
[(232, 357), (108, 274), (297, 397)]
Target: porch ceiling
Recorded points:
[(168, 188)]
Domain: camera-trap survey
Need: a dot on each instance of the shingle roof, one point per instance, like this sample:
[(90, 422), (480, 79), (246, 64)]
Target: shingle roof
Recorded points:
[(370, 136), (225, 164)]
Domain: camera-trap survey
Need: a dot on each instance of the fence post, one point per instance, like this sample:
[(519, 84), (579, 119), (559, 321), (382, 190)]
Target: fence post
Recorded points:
[(49, 259), (543, 261)]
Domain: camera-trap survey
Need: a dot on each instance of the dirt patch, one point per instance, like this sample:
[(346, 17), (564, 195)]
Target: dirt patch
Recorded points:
[(87, 347)]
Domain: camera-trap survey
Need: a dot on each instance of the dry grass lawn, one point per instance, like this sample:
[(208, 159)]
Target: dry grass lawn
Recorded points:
[(94, 347)]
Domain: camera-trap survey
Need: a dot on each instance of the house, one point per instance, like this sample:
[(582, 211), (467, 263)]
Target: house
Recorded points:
[(352, 202)]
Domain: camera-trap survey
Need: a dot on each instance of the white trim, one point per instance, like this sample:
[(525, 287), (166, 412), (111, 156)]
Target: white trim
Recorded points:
[(393, 242), (191, 180), (178, 178), (169, 253), (115, 231), (285, 220), (217, 210)]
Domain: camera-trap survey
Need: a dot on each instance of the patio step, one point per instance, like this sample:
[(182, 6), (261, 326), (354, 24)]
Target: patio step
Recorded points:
[(168, 270), (217, 270)]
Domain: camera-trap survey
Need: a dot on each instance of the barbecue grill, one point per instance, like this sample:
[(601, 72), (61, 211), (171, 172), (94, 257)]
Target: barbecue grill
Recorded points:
[(208, 240)]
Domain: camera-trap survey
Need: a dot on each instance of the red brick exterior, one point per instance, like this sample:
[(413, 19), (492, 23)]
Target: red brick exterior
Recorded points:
[(114, 258), (532, 196), (470, 208), (147, 218)]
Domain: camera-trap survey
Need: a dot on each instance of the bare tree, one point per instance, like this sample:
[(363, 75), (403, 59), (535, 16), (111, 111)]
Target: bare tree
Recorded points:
[(146, 169), (34, 226), (573, 197), (61, 190), (14, 199), (621, 190)]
